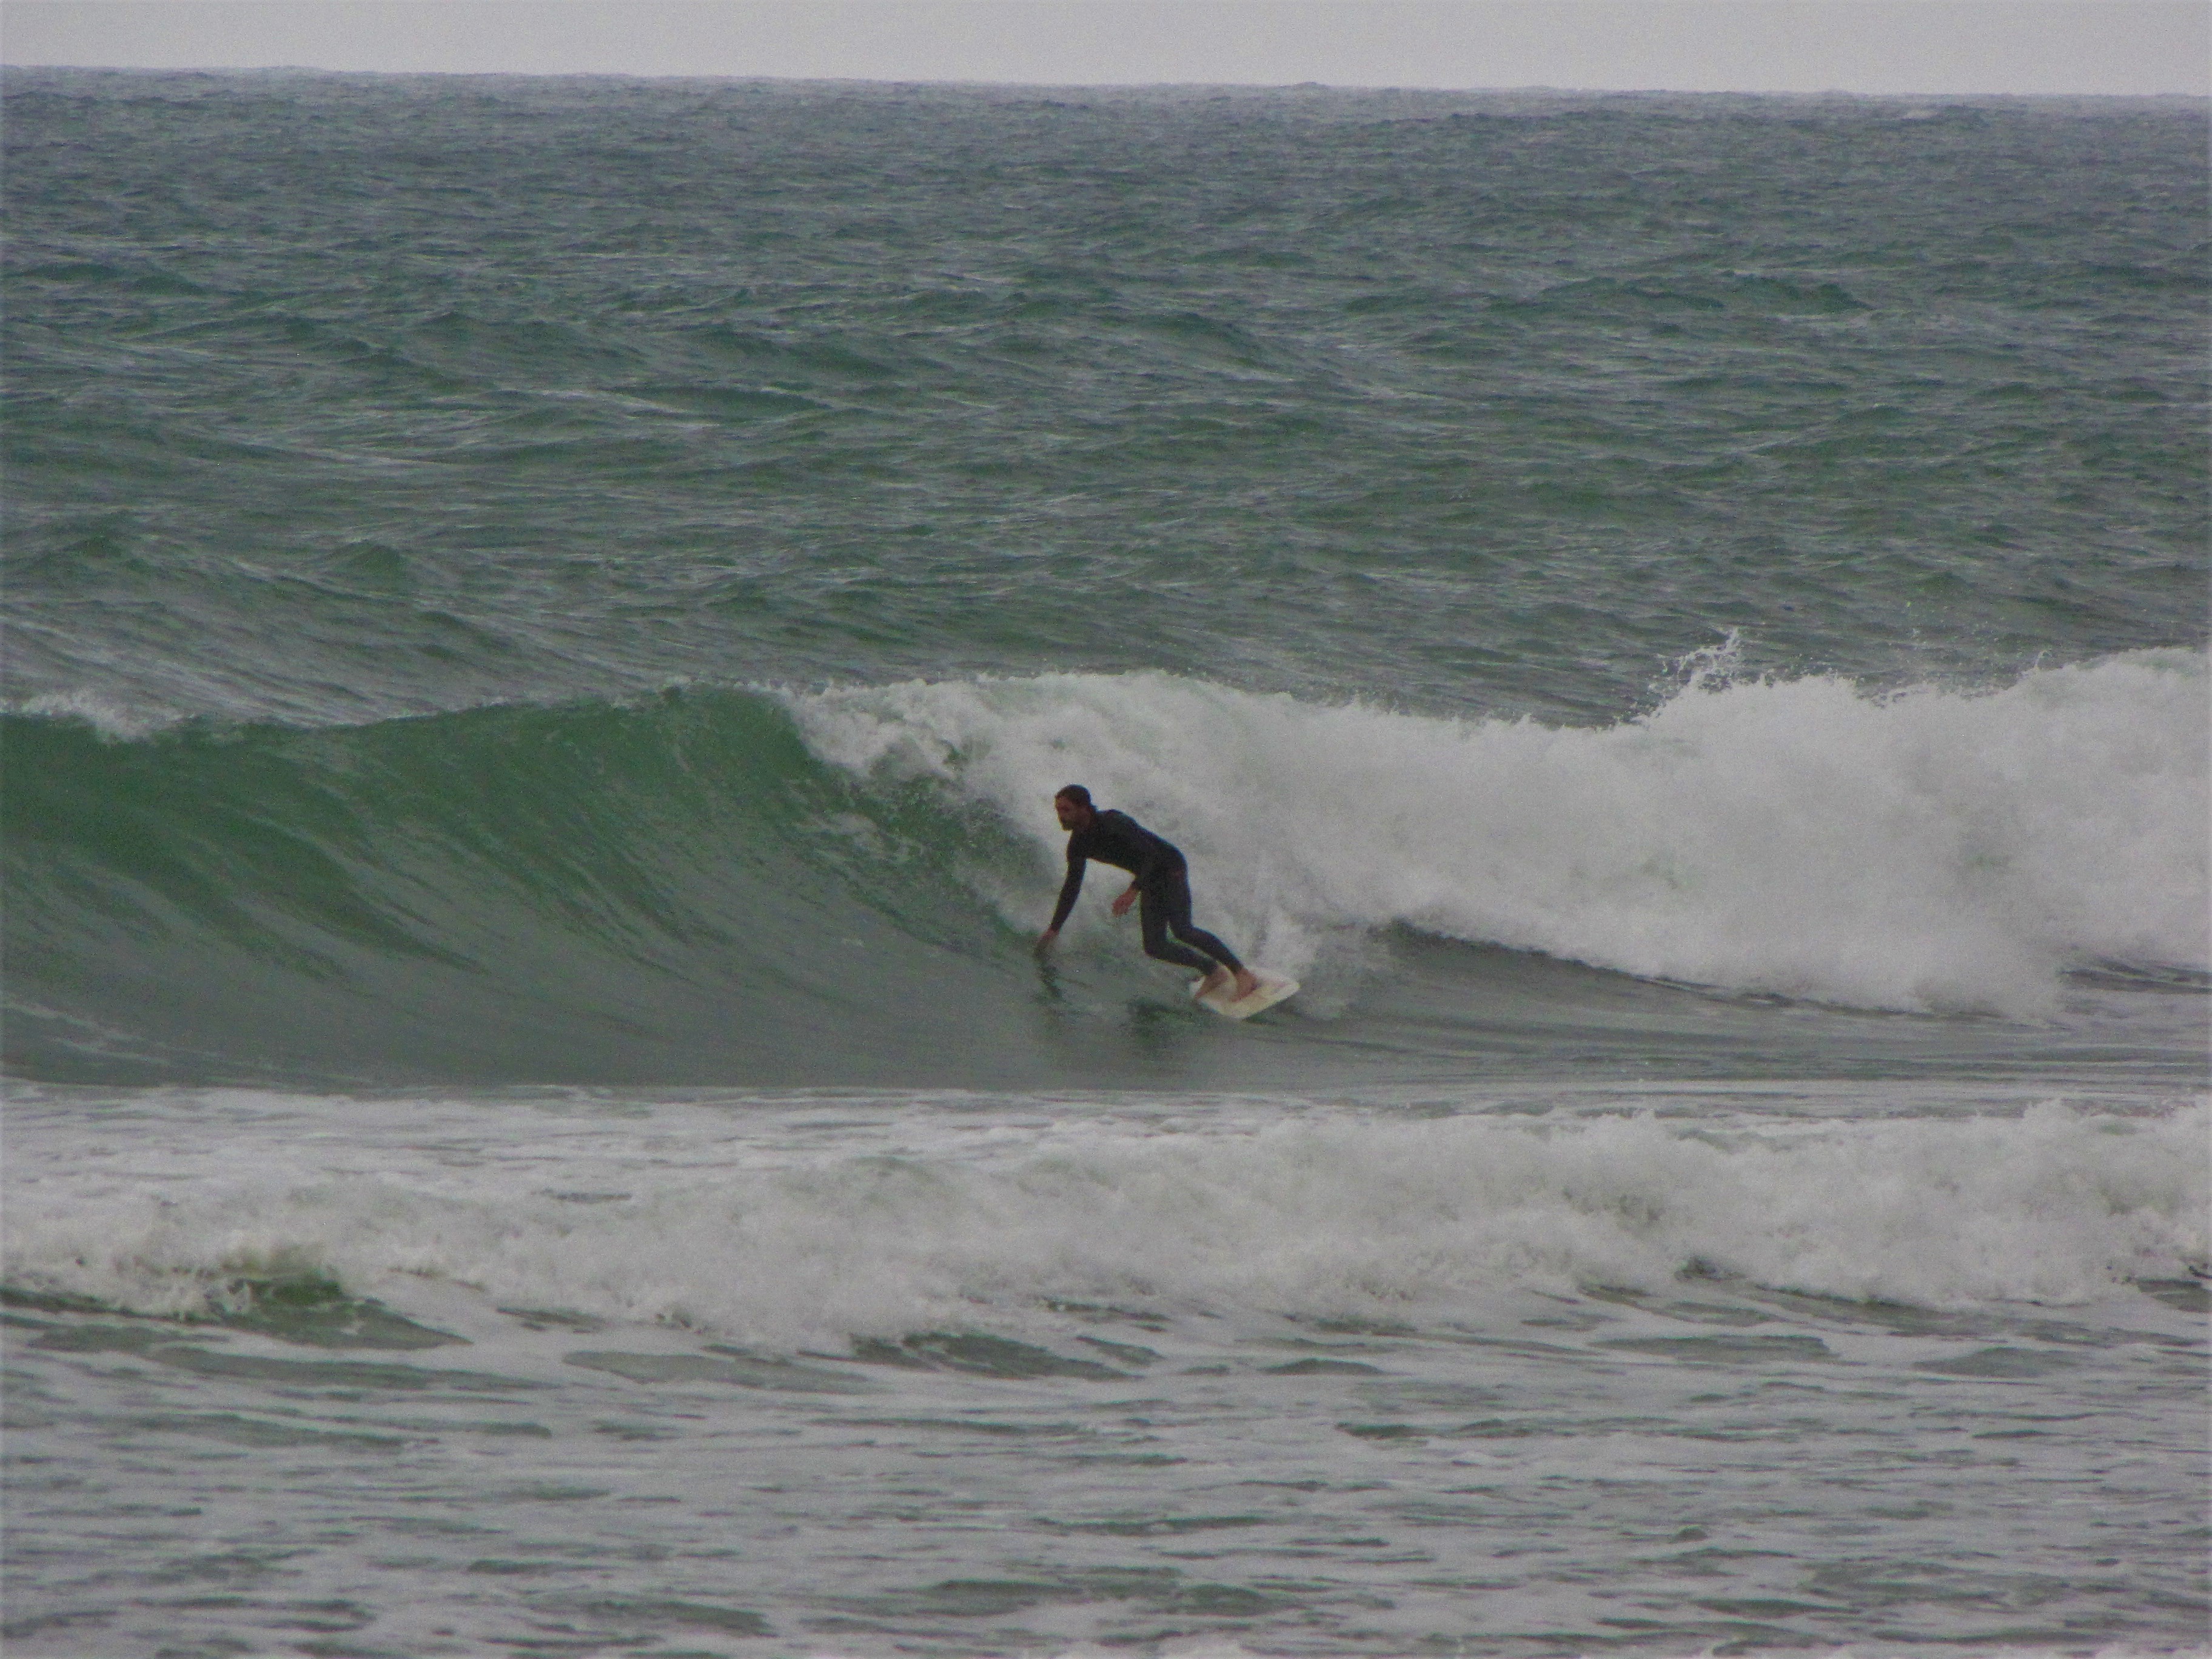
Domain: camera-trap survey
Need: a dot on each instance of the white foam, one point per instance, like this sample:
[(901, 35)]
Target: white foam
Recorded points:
[(119, 720), (1931, 849), (707, 1218)]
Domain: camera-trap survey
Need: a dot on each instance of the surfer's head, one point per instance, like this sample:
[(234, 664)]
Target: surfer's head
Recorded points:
[(1073, 805)]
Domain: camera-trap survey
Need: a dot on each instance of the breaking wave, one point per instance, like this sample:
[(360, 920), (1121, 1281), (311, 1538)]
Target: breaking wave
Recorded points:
[(766, 887)]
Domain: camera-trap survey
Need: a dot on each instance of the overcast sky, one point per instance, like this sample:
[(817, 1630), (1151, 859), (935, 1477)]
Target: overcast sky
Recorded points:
[(2127, 46)]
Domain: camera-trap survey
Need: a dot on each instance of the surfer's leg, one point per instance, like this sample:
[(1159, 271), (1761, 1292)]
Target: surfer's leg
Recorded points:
[(1175, 903), (1155, 911)]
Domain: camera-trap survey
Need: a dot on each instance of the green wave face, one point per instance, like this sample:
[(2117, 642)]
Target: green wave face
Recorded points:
[(668, 891)]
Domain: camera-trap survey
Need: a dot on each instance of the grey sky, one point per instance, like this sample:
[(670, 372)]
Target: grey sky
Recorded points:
[(2125, 46)]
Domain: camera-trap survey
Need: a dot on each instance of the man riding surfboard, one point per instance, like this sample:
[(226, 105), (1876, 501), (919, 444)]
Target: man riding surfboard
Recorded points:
[(1159, 881)]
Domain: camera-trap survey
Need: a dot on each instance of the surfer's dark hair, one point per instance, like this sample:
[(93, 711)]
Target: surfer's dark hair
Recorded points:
[(1076, 793)]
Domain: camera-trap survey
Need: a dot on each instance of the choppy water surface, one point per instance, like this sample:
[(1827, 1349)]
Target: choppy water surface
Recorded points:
[(544, 617), (960, 1375)]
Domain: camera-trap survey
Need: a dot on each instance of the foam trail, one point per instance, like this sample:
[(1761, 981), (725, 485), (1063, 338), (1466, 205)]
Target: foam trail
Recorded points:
[(1324, 1214), (1931, 849)]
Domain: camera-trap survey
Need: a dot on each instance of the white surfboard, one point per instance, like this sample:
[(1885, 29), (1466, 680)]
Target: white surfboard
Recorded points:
[(1273, 988)]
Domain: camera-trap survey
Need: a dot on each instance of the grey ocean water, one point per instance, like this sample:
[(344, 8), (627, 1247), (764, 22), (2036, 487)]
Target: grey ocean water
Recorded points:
[(544, 617)]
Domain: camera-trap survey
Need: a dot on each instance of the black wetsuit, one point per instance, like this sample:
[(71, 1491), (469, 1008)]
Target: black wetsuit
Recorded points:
[(1162, 882)]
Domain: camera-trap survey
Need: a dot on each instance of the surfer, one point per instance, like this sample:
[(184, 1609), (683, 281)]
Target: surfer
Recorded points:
[(1160, 882)]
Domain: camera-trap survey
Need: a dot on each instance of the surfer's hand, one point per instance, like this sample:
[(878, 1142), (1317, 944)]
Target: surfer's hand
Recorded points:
[(1045, 939), (1123, 901)]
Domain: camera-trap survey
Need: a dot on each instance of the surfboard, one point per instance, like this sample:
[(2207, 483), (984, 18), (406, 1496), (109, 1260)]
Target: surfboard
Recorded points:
[(1274, 988)]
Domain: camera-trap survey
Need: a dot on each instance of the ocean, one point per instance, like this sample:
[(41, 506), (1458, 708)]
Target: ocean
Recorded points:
[(544, 620)]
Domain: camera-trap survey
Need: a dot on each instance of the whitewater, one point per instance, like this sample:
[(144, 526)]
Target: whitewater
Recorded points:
[(1925, 850), (792, 1240), (543, 622), (1237, 1366)]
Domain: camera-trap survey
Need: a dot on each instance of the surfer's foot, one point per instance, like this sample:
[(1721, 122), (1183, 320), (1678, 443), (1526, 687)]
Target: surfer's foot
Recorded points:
[(1213, 982), (1247, 982)]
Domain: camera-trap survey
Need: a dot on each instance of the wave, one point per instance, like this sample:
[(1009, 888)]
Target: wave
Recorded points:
[(752, 886), (598, 890), (1929, 849), (684, 1217)]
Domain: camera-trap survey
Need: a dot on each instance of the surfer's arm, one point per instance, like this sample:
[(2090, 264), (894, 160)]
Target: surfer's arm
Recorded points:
[(1068, 889)]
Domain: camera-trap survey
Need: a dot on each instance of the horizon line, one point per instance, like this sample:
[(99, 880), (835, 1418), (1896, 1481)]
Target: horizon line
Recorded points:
[(1836, 92)]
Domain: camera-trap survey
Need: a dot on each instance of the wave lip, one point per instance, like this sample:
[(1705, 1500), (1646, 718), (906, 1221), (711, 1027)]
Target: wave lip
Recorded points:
[(1934, 849)]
